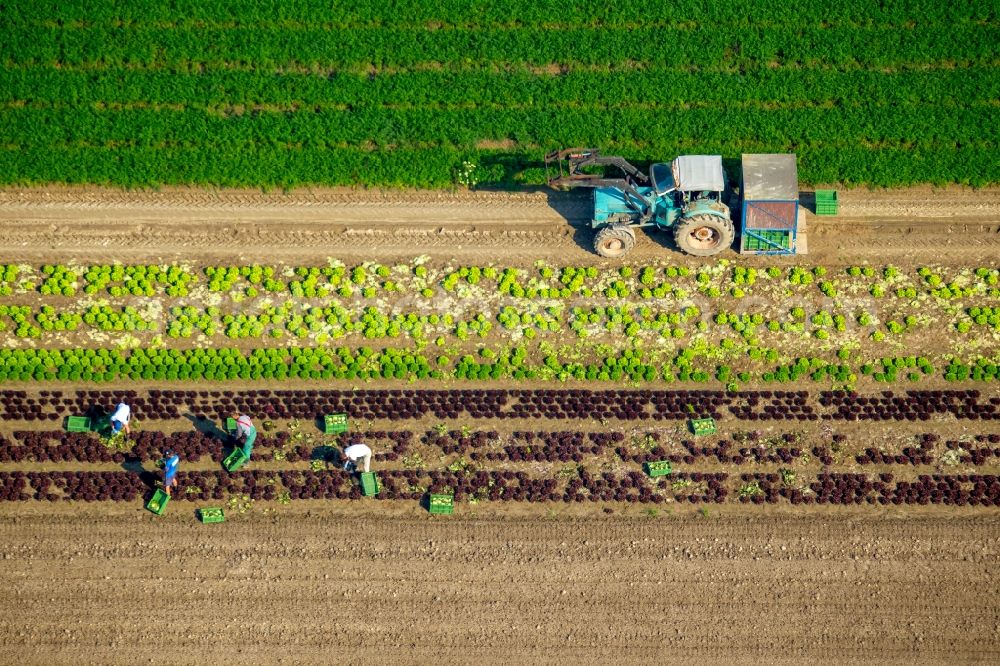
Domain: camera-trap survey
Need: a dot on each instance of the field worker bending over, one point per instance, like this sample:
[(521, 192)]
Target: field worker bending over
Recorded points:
[(170, 462), (246, 434), (120, 419), (355, 452)]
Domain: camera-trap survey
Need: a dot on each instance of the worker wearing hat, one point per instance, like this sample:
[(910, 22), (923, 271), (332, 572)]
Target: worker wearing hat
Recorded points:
[(246, 434), (120, 418), (170, 462), (354, 453)]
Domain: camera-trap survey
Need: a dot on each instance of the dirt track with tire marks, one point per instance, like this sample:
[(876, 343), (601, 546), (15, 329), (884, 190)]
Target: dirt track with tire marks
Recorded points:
[(950, 225), (331, 586)]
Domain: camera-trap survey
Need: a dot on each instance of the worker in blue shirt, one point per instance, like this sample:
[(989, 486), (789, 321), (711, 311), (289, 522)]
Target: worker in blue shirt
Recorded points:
[(170, 462)]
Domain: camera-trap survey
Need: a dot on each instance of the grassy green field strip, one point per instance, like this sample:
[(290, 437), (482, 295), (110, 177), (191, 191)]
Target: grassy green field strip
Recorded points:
[(464, 128), (849, 46), (962, 87), (256, 165), (415, 12)]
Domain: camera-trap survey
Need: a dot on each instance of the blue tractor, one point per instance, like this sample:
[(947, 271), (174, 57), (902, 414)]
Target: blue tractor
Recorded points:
[(685, 195)]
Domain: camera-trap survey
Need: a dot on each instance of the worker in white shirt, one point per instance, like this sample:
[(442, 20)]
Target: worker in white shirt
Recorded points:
[(120, 419), (354, 453), (246, 434)]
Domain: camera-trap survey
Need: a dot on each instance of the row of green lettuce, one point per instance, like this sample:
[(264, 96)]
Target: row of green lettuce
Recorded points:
[(365, 363)]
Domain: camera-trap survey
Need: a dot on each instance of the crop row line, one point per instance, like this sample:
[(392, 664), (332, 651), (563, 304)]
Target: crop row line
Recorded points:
[(408, 12), (403, 47), (529, 151), (302, 106), (553, 70), (498, 24), (550, 127), (257, 164)]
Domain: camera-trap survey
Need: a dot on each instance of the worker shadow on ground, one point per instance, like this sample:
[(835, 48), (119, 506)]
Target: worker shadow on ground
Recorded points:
[(207, 427), (133, 465), (327, 454)]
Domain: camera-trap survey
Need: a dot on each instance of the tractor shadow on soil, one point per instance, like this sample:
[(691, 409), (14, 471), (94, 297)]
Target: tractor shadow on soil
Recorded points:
[(808, 201)]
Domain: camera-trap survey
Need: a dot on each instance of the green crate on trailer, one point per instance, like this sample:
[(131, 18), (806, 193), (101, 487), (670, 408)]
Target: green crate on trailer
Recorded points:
[(231, 425), (212, 514), (158, 502), (658, 468), (765, 240), (78, 424), (702, 426), (369, 484), (826, 202), (334, 424), (235, 460), (442, 504)]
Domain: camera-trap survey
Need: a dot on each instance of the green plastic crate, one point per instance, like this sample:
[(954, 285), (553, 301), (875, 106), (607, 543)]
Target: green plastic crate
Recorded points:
[(235, 460), (442, 504), (826, 202), (78, 424), (212, 514), (369, 484), (231, 425), (658, 468), (158, 502), (334, 424), (702, 426), (782, 239)]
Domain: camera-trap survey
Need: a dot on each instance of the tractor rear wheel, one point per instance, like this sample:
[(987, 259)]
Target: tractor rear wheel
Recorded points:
[(704, 235), (614, 241)]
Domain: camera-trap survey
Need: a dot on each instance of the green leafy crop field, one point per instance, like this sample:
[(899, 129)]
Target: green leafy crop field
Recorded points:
[(404, 94)]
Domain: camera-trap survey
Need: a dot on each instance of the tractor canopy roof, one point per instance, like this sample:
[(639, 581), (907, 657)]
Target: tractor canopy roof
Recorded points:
[(699, 172)]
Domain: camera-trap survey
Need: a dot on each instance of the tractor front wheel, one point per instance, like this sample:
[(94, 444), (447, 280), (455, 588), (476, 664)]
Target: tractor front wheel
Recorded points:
[(614, 241), (704, 235)]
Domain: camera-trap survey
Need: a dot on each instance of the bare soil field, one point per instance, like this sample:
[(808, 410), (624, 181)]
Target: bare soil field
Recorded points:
[(327, 585), (947, 225)]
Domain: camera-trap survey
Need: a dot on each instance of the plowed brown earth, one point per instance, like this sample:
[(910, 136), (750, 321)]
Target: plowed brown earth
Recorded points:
[(949, 225), (325, 586)]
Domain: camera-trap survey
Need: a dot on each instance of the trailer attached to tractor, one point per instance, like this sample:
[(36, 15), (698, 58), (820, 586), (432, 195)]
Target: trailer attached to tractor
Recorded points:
[(685, 195)]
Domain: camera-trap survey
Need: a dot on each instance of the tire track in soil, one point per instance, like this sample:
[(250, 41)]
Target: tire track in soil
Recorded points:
[(88, 221), (322, 586)]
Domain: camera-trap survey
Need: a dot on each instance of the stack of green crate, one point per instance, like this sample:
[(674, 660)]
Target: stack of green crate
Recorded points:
[(767, 239), (826, 202)]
